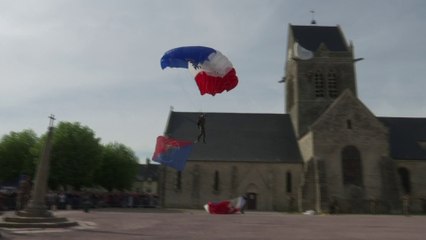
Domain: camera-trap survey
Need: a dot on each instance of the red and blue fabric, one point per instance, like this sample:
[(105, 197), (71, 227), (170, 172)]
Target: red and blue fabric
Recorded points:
[(213, 72), (172, 152)]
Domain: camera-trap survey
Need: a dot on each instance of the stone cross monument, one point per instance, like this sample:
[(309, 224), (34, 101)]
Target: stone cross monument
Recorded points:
[(36, 214)]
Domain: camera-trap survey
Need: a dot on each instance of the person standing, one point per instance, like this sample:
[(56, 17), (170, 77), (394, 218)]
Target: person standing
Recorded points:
[(201, 124), (62, 198), (86, 202)]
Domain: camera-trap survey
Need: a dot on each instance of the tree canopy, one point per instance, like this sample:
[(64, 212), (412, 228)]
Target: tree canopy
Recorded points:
[(77, 158), (17, 154), (75, 155), (119, 167)]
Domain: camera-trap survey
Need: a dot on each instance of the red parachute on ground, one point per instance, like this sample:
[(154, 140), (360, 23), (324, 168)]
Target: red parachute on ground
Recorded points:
[(236, 205), (213, 72)]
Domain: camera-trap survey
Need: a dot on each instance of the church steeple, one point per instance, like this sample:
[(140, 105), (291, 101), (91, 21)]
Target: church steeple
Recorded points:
[(319, 67), (313, 21)]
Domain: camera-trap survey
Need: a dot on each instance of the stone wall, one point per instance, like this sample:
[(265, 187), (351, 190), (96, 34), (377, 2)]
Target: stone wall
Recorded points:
[(268, 181), (417, 196), (348, 123)]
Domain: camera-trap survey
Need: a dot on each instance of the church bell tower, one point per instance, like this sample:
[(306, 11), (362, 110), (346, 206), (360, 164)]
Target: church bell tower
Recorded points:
[(320, 65)]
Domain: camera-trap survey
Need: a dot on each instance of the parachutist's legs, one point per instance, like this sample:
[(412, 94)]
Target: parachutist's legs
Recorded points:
[(202, 134)]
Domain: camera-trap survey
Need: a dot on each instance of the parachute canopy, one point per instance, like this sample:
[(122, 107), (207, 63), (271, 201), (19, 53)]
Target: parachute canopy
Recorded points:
[(213, 72), (227, 206), (172, 152)]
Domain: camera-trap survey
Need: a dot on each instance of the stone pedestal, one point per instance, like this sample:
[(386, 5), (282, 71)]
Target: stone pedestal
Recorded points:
[(36, 222)]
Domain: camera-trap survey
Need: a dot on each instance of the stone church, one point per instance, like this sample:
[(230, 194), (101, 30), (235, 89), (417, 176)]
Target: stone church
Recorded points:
[(327, 153)]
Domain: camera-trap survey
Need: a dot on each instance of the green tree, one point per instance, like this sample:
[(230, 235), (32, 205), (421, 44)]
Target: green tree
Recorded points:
[(75, 156), (17, 154), (119, 167)]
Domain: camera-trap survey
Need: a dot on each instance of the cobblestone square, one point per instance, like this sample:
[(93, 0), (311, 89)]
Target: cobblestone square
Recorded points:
[(126, 224)]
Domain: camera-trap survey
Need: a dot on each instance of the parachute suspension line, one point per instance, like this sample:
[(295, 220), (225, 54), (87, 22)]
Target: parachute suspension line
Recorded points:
[(250, 102), (189, 94)]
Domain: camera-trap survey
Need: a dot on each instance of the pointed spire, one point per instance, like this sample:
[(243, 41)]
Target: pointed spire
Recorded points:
[(313, 22)]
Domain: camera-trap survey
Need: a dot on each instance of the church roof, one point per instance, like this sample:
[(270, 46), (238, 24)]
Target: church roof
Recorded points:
[(148, 171), (310, 37), (250, 137), (407, 137)]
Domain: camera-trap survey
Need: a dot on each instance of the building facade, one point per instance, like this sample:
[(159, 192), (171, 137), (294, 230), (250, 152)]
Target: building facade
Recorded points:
[(328, 152)]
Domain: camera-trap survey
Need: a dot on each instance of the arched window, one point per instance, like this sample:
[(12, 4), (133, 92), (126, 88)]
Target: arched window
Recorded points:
[(234, 179), (332, 84), (196, 181), (348, 124), (351, 166), (404, 175), (319, 84), (288, 182), (179, 180), (216, 181)]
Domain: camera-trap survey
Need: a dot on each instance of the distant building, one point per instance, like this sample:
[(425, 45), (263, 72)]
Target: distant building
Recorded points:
[(147, 179), (328, 152)]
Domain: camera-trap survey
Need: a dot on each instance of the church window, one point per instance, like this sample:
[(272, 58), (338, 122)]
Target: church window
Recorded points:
[(216, 181), (288, 182), (332, 84), (234, 178), (404, 175), (179, 180), (348, 124), (319, 84), (351, 166), (196, 181)]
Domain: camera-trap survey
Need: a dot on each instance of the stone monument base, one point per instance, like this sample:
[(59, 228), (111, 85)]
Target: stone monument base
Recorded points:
[(23, 219)]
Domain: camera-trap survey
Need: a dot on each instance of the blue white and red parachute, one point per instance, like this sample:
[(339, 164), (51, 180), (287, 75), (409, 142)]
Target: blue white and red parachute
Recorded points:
[(213, 72)]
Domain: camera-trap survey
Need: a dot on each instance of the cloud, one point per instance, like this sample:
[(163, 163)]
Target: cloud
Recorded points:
[(97, 62)]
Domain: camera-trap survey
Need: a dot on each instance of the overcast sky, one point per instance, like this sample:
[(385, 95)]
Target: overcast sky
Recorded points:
[(97, 62)]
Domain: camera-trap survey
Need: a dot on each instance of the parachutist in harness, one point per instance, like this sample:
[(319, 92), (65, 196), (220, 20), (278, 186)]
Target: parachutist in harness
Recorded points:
[(201, 126)]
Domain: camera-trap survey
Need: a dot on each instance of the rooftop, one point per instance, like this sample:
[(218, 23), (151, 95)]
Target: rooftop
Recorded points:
[(310, 37), (238, 136)]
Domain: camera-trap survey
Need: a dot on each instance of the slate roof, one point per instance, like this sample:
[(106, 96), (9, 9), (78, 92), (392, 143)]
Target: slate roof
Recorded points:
[(310, 37), (405, 136), (250, 137), (148, 171)]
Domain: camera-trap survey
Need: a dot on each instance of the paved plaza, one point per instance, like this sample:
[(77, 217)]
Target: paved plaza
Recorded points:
[(126, 224)]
